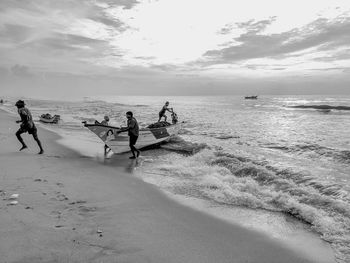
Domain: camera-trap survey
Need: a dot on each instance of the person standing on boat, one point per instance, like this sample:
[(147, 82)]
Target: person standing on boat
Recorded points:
[(163, 110), (133, 131), (27, 125)]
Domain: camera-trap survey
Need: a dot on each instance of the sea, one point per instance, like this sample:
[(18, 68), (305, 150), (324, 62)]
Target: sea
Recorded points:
[(278, 164)]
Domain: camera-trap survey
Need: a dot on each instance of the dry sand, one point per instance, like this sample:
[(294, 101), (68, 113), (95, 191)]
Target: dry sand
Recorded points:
[(77, 209)]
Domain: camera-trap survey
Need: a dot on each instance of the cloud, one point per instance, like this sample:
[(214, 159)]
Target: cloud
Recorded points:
[(14, 33), (126, 4), (52, 35), (21, 71), (321, 34)]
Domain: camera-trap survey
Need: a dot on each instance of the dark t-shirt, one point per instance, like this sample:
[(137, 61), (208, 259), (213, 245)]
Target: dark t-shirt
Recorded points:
[(133, 127)]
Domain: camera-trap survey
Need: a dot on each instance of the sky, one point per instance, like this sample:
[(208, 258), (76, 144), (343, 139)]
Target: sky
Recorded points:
[(76, 48)]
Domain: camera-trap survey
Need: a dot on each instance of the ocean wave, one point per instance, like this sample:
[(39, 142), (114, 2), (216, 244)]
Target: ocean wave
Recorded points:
[(233, 180), (179, 145), (320, 107), (315, 149), (226, 137), (185, 131)]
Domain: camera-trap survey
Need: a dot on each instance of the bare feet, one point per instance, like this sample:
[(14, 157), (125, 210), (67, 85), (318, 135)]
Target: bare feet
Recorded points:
[(23, 147), (132, 157), (41, 151)]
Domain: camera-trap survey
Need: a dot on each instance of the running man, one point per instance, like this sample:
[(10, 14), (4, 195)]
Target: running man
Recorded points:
[(163, 110), (27, 125), (133, 131)]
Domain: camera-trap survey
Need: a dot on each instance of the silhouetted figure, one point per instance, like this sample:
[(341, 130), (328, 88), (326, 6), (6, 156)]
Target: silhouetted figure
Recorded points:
[(163, 110), (133, 131), (105, 123), (105, 120), (27, 125)]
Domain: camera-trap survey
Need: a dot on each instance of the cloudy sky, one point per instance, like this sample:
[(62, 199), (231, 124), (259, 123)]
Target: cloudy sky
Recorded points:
[(72, 48)]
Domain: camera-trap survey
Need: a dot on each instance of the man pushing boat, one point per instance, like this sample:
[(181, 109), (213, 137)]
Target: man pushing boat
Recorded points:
[(120, 142), (133, 132), (163, 110)]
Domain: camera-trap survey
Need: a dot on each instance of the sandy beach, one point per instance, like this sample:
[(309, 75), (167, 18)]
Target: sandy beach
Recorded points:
[(77, 209)]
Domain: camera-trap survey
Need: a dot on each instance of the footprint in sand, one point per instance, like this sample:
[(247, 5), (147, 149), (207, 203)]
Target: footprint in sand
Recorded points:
[(83, 210), (40, 180), (59, 197), (60, 184), (56, 213), (78, 202)]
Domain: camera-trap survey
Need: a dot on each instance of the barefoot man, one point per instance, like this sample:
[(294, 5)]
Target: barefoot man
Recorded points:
[(27, 125), (133, 131)]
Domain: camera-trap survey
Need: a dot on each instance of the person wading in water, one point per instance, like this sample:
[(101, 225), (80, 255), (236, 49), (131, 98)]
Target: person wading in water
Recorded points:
[(133, 131), (27, 125)]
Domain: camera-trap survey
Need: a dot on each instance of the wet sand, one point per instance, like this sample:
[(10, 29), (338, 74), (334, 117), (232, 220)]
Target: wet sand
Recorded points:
[(77, 209)]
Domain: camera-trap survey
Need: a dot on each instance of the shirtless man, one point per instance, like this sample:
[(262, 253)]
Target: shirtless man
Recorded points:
[(27, 125), (163, 110)]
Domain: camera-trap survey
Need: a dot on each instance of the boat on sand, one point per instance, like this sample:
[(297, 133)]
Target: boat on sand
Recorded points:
[(47, 118), (119, 142)]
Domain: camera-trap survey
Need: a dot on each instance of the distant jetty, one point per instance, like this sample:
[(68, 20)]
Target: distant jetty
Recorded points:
[(251, 97)]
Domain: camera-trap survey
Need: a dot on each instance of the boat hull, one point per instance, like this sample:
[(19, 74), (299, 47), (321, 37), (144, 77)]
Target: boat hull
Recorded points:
[(119, 142), (54, 119)]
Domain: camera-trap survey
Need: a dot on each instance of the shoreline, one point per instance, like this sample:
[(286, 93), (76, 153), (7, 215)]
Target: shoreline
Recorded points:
[(66, 199)]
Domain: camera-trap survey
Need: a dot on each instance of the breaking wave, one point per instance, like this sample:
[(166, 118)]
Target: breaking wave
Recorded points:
[(316, 150), (179, 145), (232, 180)]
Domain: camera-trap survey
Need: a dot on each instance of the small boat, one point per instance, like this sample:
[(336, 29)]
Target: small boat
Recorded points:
[(119, 142), (47, 118), (251, 97)]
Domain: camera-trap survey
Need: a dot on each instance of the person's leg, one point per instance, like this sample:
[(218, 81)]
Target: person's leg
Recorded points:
[(135, 149), (18, 135), (165, 117), (133, 140), (131, 144), (35, 136)]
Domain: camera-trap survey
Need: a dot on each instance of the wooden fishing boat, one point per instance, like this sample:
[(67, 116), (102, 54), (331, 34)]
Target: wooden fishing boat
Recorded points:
[(47, 118), (119, 142)]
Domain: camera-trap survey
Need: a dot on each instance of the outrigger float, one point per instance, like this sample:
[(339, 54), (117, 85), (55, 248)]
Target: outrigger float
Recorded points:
[(119, 142)]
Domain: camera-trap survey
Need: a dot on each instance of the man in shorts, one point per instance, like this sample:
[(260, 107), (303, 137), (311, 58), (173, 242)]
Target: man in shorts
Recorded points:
[(27, 125), (133, 131), (163, 110)]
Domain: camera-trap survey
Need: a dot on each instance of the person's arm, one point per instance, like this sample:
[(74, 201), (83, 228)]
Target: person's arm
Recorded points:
[(24, 117), (122, 129), (131, 125)]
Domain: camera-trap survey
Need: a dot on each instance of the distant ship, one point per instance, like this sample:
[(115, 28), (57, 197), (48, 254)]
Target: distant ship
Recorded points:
[(251, 97)]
